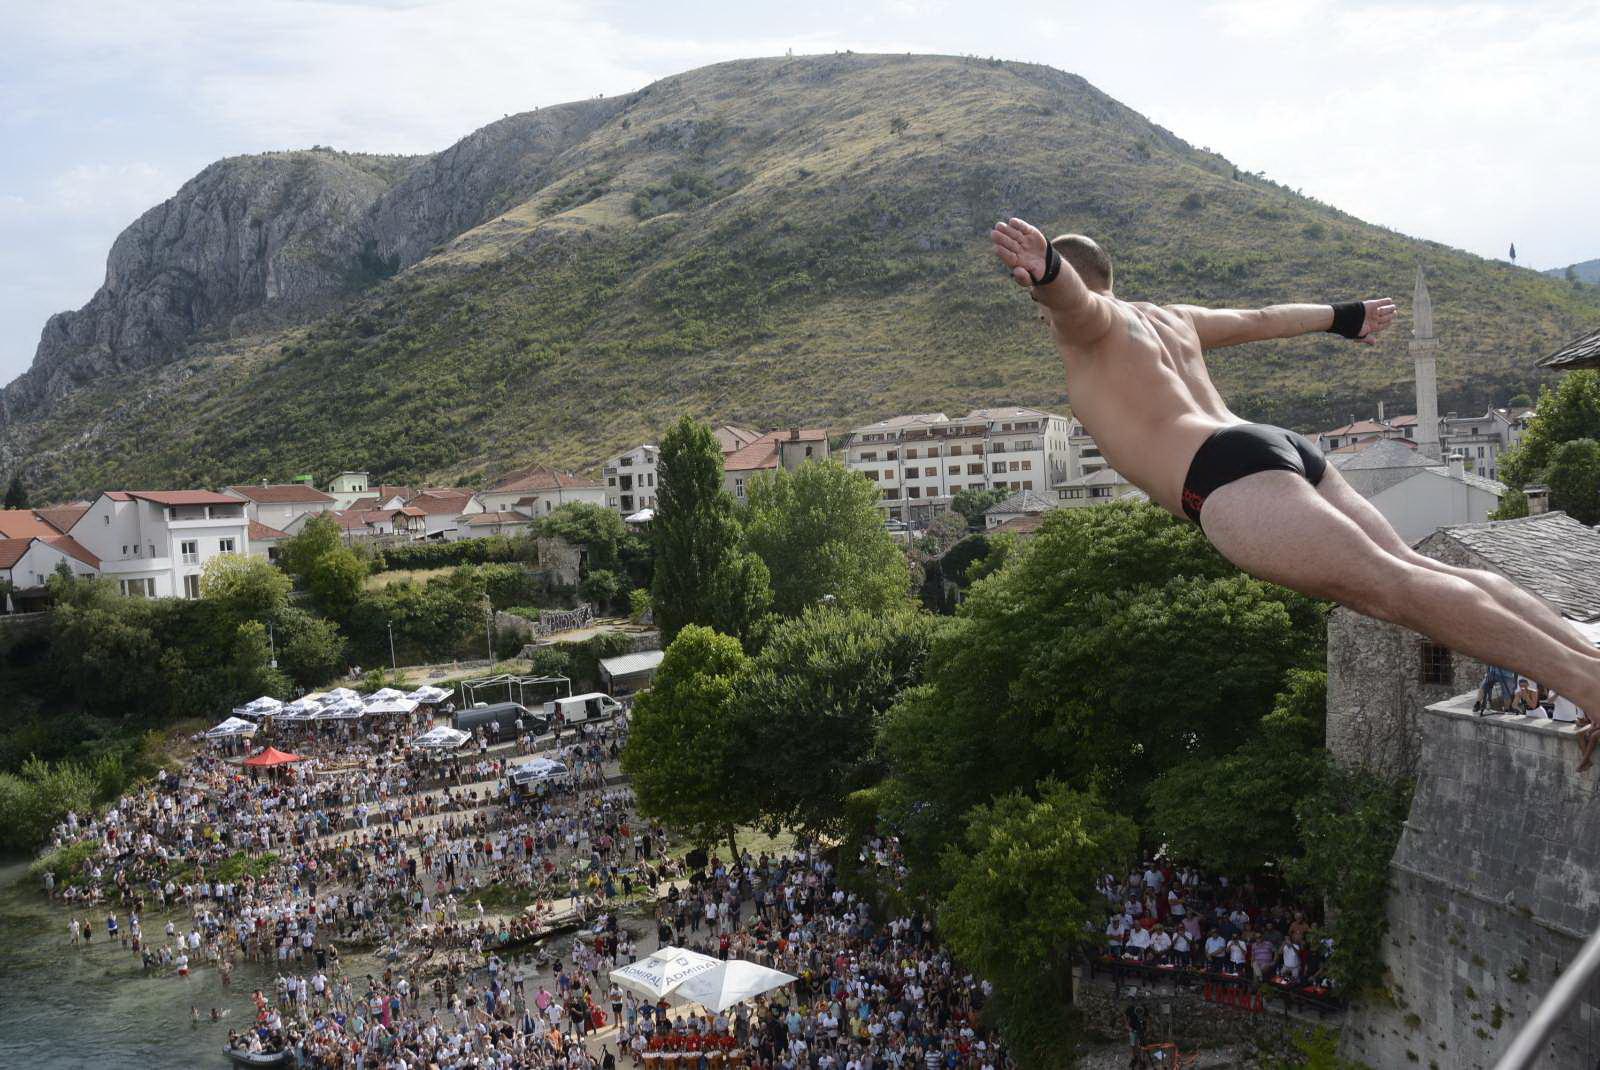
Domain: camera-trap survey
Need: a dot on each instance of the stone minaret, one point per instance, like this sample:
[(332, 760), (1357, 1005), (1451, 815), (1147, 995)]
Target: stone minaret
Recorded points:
[(1422, 355)]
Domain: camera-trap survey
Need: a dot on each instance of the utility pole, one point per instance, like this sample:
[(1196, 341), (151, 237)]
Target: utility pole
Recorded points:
[(393, 665), (488, 634), (272, 647)]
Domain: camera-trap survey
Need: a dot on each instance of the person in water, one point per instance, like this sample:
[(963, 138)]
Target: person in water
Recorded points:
[(1264, 496)]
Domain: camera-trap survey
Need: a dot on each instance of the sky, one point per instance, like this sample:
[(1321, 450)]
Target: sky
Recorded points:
[(1469, 123)]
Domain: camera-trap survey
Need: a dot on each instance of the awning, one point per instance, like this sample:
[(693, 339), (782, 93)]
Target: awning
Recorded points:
[(233, 726), (441, 738), (660, 973), (384, 694), (631, 664), (393, 705), (733, 981), (429, 694), (272, 756)]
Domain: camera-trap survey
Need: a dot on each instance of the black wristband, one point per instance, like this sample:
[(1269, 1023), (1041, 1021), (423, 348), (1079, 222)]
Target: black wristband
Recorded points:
[(1052, 266), (1348, 318)]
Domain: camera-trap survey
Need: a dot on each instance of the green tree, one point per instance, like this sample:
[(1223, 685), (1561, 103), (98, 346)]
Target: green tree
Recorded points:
[(317, 538), (1574, 479), (246, 587), (638, 604), (310, 648), (1236, 814), (610, 545), (816, 694), (681, 752), (973, 502), (601, 587), (820, 533), (1348, 831), (1567, 413), (702, 573), (1022, 905), (16, 493), (1095, 657), (325, 567)]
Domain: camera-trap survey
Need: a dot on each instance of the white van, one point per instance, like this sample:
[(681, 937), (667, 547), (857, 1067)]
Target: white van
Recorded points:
[(580, 709)]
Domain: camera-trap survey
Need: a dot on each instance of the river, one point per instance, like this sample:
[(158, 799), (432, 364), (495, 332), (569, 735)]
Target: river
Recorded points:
[(67, 1007)]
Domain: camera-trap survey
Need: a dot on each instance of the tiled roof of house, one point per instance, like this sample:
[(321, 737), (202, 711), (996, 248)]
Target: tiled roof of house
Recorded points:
[(259, 532), (1581, 352), (494, 519), (1378, 453), (763, 453), (23, 524), (73, 548), (1023, 502), (62, 517), (1550, 554), (385, 491), (1019, 525), (539, 478), (11, 550), (364, 504), (1009, 412), (448, 502), (731, 438), (1359, 427), (178, 497), (280, 493)]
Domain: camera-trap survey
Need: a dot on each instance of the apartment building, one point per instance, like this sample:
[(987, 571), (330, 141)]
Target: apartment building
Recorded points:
[(538, 490), (1479, 440), (155, 544), (921, 461), (630, 479)]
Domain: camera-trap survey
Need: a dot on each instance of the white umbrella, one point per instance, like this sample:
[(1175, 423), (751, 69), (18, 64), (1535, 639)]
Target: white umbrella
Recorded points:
[(662, 972), (441, 738), (258, 707), (347, 710), (339, 694), (429, 694), (233, 726), (392, 705), (300, 708), (384, 694), (728, 983)]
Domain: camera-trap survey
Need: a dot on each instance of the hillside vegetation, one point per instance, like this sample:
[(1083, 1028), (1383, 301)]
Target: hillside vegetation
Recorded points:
[(770, 242)]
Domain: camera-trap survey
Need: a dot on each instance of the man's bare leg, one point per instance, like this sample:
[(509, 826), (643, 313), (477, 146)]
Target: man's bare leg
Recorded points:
[(1344, 498), (1275, 526)]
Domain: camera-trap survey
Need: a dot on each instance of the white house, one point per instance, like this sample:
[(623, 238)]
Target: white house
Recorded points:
[(27, 562), (538, 490), (1095, 487), (266, 542), (441, 509), (347, 487), (277, 505), (1415, 493), (156, 543), (1021, 504), (630, 479)]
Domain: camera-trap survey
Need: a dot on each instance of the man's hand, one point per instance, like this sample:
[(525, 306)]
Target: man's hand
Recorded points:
[(1379, 314), (1020, 246)]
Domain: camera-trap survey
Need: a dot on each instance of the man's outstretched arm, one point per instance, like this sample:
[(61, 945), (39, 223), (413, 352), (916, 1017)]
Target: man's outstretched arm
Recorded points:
[(1078, 314), (1358, 320)]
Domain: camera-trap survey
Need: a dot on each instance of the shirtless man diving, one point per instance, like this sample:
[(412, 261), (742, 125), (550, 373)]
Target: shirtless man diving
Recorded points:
[(1263, 495)]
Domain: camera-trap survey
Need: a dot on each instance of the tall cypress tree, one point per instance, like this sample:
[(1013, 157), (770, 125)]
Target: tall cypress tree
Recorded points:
[(703, 573), (16, 493)]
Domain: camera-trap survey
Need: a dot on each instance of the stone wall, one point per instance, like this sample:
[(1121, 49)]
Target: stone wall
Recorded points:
[(1181, 1016), (1496, 883)]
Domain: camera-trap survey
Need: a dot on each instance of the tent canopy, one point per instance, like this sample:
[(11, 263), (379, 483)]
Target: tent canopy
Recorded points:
[(660, 973), (233, 726), (384, 694), (272, 756), (733, 981), (392, 705), (441, 738), (429, 694), (339, 694)]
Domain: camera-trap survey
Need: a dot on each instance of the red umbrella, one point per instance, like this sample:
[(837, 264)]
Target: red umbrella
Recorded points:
[(273, 756)]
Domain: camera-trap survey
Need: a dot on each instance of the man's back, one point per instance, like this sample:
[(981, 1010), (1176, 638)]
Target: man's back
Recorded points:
[(1142, 391)]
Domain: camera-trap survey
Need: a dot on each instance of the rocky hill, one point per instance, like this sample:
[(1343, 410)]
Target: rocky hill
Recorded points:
[(765, 241)]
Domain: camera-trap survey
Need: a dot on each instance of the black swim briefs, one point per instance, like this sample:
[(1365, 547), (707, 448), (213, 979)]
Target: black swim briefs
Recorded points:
[(1243, 450)]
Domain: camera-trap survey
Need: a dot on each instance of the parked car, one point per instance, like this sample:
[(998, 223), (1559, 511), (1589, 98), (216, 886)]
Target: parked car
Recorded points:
[(579, 709), (504, 714)]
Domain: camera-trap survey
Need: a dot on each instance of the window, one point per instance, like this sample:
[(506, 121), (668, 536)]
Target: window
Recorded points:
[(1027, 484), (1015, 467), (106, 519), (1061, 495), (1027, 466), (738, 488), (627, 462), (871, 455), (955, 470), (914, 492), (611, 481), (888, 473), (191, 586), (141, 588), (1099, 492), (125, 551), (911, 454), (808, 453), (224, 546), (888, 492), (975, 469), (929, 473), (998, 447), (1437, 665), (872, 474), (955, 451), (1025, 444), (190, 548), (998, 466), (891, 455)]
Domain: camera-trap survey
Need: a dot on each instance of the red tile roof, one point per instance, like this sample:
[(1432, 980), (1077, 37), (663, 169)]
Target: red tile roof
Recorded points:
[(446, 502), (62, 517), (391, 490), (23, 524), (539, 478), (11, 551), (73, 548), (259, 532), (763, 452), (483, 520), (732, 438), (280, 493), (362, 505), (180, 497)]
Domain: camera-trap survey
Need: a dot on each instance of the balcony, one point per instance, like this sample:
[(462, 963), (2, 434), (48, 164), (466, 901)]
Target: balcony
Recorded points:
[(135, 565)]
